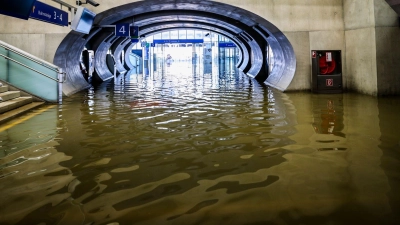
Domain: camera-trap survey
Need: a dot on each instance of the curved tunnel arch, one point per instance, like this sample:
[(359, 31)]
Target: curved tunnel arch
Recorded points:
[(249, 31), (128, 65)]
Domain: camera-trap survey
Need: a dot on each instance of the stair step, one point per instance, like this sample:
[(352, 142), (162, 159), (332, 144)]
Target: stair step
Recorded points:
[(3, 89), (18, 111), (14, 103), (5, 96)]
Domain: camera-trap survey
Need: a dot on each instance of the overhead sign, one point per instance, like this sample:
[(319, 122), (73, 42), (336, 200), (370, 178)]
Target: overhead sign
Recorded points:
[(170, 41), (226, 45), (122, 30), (134, 32), (17, 8), (145, 44), (49, 14), (138, 52)]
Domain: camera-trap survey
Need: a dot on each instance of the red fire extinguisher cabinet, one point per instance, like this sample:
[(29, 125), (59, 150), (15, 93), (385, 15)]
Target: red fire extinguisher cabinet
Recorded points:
[(326, 71)]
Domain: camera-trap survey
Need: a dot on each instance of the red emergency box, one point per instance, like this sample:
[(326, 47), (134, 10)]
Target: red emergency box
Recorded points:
[(326, 71)]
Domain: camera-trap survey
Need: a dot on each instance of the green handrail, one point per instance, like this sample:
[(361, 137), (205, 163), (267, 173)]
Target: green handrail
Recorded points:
[(31, 74)]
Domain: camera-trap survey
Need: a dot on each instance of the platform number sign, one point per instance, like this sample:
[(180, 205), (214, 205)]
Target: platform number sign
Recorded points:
[(329, 82), (122, 30), (47, 13), (134, 31)]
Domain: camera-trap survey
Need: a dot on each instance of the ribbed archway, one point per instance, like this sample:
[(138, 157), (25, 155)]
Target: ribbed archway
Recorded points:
[(250, 32)]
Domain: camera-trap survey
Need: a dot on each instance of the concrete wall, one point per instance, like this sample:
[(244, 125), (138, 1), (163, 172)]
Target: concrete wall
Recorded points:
[(372, 47), (360, 46), (36, 37), (308, 24), (353, 26), (387, 34)]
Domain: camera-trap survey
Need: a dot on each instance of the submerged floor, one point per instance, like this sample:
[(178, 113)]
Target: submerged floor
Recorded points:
[(192, 148)]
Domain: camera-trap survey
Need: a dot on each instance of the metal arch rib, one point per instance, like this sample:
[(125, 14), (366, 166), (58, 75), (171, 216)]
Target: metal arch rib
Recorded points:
[(117, 48), (128, 65), (101, 68), (67, 57)]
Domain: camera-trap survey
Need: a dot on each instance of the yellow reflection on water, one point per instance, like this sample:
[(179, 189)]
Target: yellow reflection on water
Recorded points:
[(24, 118)]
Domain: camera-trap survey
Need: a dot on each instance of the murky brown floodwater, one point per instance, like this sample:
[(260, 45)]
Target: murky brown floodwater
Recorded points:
[(202, 149)]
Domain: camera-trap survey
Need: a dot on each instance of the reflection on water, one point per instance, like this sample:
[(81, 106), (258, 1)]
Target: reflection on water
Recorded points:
[(328, 114), (169, 148)]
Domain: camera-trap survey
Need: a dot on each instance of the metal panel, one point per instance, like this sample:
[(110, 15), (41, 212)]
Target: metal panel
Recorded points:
[(128, 65), (117, 49), (102, 71), (67, 57)]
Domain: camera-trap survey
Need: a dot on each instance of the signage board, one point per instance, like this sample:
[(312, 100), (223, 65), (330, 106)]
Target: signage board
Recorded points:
[(226, 45), (122, 30), (17, 8), (43, 12), (145, 44), (329, 82), (134, 32), (138, 52), (183, 41)]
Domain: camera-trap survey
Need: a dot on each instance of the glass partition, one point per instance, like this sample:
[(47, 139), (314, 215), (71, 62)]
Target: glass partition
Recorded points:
[(29, 74)]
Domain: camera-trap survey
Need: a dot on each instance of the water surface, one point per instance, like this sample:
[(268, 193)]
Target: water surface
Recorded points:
[(183, 147)]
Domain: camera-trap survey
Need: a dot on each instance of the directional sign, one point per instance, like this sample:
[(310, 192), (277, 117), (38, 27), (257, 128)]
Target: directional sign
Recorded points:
[(134, 32), (177, 41), (17, 8), (122, 30), (50, 14), (226, 45), (135, 40)]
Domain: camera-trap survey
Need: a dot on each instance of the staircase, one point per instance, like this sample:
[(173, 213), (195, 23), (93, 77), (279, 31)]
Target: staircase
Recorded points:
[(14, 103)]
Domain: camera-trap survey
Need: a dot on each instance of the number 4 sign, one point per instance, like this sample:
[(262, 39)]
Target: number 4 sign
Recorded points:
[(122, 30)]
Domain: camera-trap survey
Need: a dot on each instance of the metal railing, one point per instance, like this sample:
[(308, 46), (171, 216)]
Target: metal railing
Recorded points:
[(25, 82)]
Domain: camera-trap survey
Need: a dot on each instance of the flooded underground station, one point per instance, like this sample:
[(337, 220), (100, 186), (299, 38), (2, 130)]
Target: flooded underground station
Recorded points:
[(185, 137)]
